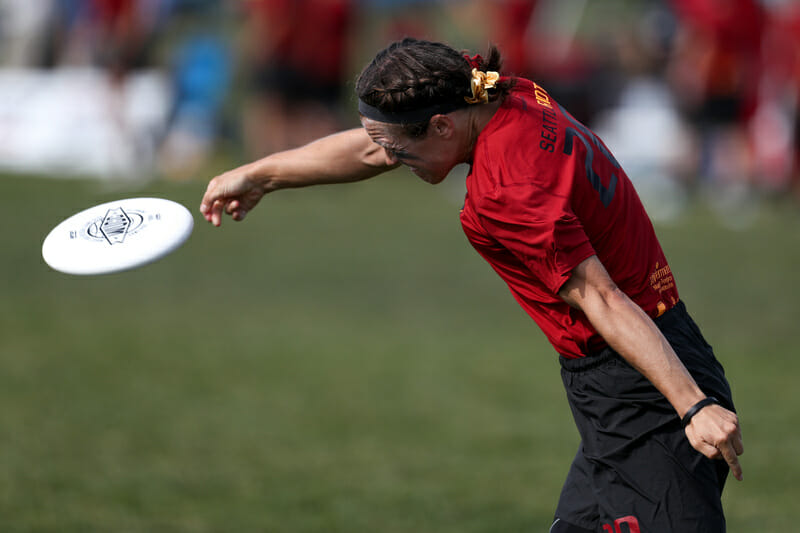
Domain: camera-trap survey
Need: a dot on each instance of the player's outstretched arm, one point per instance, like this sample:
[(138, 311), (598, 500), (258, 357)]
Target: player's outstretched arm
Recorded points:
[(714, 431), (339, 158)]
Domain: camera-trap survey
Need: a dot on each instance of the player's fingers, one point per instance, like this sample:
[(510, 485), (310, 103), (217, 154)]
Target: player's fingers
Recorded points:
[(738, 443), (702, 444), (239, 215), (708, 450), (232, 206), (216, 212), (729, 454), (205, 209), (730, 442), (209, 197)]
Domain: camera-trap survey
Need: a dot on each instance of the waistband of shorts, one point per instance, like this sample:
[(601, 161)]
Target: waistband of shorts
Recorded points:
[(674, 314), (600, 357), (582, 364)]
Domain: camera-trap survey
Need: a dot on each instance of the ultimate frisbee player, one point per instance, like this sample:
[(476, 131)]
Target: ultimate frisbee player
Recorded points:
[(555, 215)]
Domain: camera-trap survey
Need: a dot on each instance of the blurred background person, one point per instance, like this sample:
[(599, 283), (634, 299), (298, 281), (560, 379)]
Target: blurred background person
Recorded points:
[(296, 59), (118, 36), (773, 128), (714, 73), (199, 65)]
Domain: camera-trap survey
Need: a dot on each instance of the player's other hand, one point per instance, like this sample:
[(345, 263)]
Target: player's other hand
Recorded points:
[(235, 193), (715, 432)]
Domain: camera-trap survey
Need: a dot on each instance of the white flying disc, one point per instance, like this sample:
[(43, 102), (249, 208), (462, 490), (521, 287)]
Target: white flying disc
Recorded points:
[(117, 236)]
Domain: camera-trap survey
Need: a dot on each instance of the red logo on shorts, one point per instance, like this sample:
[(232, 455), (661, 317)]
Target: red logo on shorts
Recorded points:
[(616, 527)]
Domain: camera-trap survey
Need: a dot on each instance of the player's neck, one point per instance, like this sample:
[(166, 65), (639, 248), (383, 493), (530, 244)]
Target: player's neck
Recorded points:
[(479, 118)]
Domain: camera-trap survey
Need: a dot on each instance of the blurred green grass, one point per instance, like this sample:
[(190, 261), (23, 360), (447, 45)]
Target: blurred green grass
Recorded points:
[(341, 361)]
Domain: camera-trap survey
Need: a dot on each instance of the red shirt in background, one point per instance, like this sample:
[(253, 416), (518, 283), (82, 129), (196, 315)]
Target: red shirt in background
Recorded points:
[(310, 36)]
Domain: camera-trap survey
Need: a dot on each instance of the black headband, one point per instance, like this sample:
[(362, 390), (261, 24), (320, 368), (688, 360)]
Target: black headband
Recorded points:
[(412, 116)]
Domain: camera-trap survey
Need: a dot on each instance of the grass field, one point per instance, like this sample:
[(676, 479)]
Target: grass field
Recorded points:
[(341, 362)]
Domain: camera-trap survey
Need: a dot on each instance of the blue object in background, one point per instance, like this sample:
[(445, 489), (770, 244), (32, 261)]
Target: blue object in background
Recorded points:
[(201, 77)]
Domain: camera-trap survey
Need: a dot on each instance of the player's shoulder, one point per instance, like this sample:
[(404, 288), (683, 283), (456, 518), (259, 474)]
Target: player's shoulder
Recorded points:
[(527, 119), (530, 158)]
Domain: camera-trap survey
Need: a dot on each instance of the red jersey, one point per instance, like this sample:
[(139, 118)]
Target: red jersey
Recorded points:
[(544, 194)]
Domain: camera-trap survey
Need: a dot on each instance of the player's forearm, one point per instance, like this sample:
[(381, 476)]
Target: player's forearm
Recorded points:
[(339, 158), (632, 334)]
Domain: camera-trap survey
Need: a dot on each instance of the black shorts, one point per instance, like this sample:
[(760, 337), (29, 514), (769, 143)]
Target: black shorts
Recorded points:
[(635, 469), (296, 86)]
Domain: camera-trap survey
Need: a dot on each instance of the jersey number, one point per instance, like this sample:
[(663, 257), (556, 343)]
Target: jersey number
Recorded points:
[(590, 142)]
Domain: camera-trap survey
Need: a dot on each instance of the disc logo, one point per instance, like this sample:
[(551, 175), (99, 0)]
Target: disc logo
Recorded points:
[(115, 225)]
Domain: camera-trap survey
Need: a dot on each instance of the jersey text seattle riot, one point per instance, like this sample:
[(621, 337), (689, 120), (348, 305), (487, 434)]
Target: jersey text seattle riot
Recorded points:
[(549, 130)]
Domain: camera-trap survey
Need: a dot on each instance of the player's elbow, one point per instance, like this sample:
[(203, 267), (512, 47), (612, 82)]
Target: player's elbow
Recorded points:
[(590, 286), (597, 298), (611, 297)]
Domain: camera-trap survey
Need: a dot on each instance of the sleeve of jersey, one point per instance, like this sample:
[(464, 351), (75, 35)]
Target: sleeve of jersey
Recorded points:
[(540, 230)]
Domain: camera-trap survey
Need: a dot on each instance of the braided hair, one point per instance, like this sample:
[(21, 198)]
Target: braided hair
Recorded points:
[(412, 74)]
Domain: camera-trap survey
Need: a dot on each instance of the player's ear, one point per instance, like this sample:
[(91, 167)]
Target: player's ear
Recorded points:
[(442, 125)]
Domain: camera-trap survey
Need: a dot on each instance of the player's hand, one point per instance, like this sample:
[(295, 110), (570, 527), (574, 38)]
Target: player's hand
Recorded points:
[(235, 192), (715, 432)]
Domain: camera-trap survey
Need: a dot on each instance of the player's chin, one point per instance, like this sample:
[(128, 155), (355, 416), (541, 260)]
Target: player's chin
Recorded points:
[(430, 178)]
